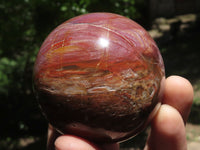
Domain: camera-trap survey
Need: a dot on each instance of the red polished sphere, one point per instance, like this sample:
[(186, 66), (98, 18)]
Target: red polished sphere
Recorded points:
[(99, 76)]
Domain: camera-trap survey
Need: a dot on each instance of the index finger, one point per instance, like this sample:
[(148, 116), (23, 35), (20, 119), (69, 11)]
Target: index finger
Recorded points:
[(178, 93)]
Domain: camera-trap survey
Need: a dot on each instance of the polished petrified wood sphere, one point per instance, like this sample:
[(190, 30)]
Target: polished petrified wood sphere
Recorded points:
[(99, 76)]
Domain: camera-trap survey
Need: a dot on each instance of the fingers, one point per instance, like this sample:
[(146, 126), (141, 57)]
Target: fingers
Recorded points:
[(70, 142), (178, 93), (168, 130), (56, 141)]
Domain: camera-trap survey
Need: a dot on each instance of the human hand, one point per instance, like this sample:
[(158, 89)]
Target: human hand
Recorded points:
[(167, 127)]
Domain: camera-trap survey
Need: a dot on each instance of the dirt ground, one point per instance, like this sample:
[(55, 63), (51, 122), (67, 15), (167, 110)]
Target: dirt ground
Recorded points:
[(193, 136)]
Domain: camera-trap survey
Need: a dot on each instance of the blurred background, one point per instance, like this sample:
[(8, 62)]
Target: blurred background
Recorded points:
[(24, 24)]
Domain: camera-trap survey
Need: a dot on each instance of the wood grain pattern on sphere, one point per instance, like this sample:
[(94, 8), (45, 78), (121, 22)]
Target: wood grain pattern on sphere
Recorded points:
[(99, 76)]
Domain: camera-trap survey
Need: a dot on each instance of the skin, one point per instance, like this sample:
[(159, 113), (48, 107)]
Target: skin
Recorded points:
[(167, 127)]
